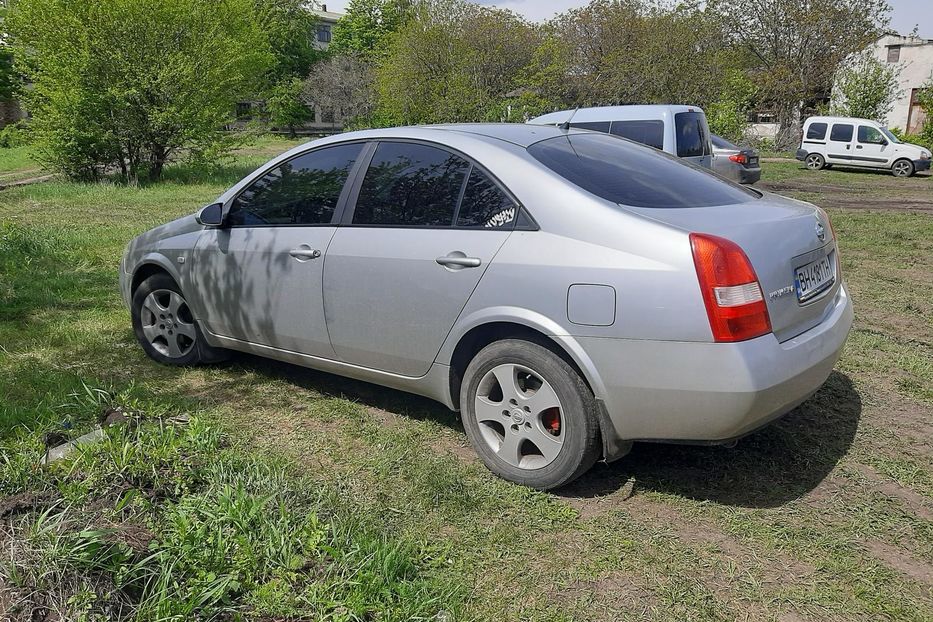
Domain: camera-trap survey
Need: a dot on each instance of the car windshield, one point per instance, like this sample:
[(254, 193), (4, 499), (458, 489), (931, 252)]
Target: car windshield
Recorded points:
[(623, 172), (889, 135)]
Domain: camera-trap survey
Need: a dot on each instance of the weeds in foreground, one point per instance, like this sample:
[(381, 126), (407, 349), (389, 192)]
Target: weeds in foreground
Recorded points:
[(164, 521)]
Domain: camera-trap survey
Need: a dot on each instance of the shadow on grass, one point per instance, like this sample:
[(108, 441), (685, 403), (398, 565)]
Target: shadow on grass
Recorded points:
[(780, 463), (777, 464), (364, 393)]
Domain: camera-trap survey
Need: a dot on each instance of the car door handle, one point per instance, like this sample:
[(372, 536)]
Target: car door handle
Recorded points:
[(858, 146), (303, 253), (459, 262)]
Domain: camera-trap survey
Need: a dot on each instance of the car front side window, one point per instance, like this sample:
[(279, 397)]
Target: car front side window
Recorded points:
[(869, 135), (410, 185), (302, 191)]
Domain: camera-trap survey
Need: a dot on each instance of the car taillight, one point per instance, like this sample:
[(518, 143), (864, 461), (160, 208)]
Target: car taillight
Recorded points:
[(734, 302), (836, 240), (741, 158)]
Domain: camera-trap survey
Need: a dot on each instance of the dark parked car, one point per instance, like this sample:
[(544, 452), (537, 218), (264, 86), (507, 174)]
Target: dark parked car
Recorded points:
[(740, 164)]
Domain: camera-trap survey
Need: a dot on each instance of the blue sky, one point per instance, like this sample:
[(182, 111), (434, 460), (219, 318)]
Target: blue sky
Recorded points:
[(906, 13)]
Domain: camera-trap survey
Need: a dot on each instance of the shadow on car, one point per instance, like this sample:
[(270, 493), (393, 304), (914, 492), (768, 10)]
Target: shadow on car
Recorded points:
[(778, 464)]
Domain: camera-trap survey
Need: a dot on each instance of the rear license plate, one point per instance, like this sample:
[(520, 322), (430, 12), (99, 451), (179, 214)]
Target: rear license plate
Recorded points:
[(753, 161), (815, 277)]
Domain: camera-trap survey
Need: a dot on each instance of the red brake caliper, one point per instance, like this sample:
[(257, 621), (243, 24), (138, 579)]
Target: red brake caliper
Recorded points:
[(551, 420)]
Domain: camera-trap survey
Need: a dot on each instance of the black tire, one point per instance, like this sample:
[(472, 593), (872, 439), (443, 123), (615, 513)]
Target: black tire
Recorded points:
[(815, 162), (580, 441), (194, 351), (903, 168)]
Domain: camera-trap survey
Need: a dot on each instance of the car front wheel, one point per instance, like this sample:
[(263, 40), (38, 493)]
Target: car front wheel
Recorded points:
[(529, 415), (903, 168), (165, 326)]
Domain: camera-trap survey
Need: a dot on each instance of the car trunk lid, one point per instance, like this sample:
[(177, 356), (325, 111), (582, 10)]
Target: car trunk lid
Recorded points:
[(779, 236)]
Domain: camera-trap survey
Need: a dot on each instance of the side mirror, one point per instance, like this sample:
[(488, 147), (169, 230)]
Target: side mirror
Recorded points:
[(211, 215), (883, 141)]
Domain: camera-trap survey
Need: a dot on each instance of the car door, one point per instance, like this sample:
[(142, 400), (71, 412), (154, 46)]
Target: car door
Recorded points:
[(425, 225), (839, 145), (260, 275), (871, 147)]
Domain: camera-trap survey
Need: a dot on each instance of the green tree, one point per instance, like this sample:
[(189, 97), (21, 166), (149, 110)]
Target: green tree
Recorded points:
[(925, 97), (728, 115), (795, 46), (285, 107), (865, 87), (132, 84), (453, 61), (367, 26)]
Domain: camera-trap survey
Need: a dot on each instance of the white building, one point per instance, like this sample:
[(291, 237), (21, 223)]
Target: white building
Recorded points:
[(914, 57)]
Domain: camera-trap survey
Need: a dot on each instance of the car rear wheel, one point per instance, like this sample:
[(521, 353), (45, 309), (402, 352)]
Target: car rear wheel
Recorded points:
[(165, 327), (529, 415), (903, 168), (815, 162)]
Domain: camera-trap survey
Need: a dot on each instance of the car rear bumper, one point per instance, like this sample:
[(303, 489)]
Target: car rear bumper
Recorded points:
[(801, 154), (714, 392), (749, 175)]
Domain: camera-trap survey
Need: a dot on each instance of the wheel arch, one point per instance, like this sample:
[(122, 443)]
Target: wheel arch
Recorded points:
[(149, 265), (494, 327)]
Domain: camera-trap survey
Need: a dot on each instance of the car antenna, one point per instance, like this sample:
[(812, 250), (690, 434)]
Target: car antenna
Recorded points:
[(566, 124)]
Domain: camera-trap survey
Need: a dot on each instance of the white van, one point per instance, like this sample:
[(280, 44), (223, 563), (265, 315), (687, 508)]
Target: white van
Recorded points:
[(679, 130), (861, 143)]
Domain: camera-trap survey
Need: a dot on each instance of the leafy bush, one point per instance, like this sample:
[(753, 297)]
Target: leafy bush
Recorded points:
[(15, 135), (865, 88), (128, 85)]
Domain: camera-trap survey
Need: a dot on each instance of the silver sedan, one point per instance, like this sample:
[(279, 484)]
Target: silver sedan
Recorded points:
[(568, 292), (740, 164)]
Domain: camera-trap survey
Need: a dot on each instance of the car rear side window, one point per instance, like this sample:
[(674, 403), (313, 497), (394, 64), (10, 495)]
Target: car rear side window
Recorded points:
[(301, 191), (485, 205), (596, 126), (816, 131), (692, 134), (621, 172), (841, 132), (413, 185), (649, 133)]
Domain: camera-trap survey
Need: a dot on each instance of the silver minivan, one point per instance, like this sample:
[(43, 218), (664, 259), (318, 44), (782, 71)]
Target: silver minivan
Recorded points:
[(679, 130)]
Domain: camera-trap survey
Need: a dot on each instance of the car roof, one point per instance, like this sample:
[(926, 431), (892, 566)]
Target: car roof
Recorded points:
[(616, 113), (828, 119), (518, 134)]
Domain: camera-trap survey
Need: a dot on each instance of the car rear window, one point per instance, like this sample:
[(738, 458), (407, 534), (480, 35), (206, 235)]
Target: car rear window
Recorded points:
[(816, 131), (596, 126), (629, 174), (692, 134), (649, 133), (721, 143)]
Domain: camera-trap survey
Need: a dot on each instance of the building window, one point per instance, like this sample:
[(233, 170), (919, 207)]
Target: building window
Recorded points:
[(323, 34), (894, 53)]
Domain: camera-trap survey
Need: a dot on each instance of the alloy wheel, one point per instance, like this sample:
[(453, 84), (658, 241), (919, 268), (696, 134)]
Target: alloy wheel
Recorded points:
[(167, 323), (814, 162), (520, 416), (902, 168)]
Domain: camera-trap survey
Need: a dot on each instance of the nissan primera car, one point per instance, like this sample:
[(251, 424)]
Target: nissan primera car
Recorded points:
[(568, 292)]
